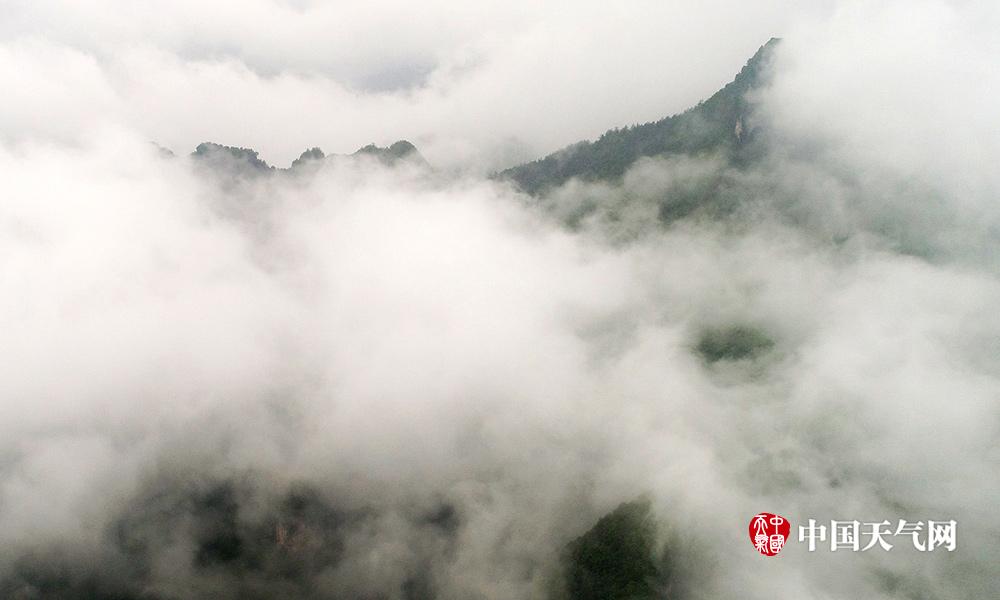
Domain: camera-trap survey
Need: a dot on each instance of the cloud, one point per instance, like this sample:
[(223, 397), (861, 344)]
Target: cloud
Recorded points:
[(366, 381), (473, 88)]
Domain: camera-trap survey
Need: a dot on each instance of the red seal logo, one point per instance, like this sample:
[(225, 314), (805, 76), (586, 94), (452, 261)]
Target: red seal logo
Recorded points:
[(768, 533)]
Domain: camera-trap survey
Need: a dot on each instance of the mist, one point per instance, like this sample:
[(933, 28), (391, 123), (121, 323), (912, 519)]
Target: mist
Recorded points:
[(401, 379)]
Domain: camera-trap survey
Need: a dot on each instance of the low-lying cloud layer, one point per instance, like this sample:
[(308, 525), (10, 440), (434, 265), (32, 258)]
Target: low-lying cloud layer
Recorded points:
[(370, 381)]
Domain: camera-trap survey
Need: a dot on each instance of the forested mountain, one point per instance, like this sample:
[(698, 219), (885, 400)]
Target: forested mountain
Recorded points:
[(722, 124), (246, 161)]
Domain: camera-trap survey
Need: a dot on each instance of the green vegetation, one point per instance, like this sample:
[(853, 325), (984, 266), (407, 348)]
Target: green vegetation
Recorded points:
[(237, 156), (309, 156), (735, 342), (401, 150), (719, 124), (616, 559), (245, 161)]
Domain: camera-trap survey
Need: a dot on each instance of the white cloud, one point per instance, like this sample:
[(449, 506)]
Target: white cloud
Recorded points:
[(478, 83), (402, 341)]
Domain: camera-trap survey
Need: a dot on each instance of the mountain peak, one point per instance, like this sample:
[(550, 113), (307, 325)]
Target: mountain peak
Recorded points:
[(232, 159), (246, 161), (756, 71), (398, 151), (718, 124)]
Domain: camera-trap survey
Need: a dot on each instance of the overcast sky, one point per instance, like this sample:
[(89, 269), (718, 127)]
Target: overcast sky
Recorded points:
[(483, 83)]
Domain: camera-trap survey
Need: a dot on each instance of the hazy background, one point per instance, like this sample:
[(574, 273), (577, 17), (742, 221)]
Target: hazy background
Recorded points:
[(481, 85), (460, 384)]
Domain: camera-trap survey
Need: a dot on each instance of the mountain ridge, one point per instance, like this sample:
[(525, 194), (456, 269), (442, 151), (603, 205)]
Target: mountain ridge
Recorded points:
[(248, 161), (722, 125), (719, 123)]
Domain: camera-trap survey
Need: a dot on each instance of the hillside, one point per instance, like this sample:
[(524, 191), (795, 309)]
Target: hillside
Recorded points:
[(722, 123)]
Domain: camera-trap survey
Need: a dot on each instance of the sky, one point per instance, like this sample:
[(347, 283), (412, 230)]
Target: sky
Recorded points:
[(477, 86), (420, 378)]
